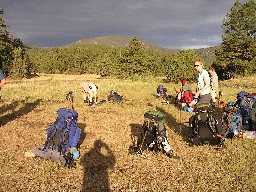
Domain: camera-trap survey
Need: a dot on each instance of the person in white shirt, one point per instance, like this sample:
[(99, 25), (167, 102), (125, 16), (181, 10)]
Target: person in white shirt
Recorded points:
[(203, 84), (89, 90)]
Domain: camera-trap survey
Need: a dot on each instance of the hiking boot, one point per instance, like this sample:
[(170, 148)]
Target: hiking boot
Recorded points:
[(151, 145), (92, 104), (169, 153), (167, 148)]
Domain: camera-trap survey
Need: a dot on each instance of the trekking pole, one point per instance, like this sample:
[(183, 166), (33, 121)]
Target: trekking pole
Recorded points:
[(180, 120), (181, 108)]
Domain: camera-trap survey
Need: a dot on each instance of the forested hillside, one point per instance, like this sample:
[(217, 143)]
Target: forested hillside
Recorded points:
[(135, 60), (114, 41), (130, 57)]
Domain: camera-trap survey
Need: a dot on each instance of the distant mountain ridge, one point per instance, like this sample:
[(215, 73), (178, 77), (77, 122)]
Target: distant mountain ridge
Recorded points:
[(114, 41), (208, 54)]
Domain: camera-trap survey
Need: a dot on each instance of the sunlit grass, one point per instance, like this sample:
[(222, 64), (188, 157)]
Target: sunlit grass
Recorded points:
[(29, 107)]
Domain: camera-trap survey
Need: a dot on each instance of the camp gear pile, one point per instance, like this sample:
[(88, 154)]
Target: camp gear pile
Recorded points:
[(114, 97), (239, 114)]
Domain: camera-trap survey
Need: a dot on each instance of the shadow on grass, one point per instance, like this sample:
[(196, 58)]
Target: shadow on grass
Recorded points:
[(180, 128), (26, 108), (96, 163), (136, 131), (10, 107), (83, 134)]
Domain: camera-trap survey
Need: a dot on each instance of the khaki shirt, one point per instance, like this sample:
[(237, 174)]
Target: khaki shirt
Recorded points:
[(214, 81)]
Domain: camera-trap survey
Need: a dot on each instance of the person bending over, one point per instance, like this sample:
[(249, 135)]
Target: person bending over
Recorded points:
[(89, 90), (2, 81)]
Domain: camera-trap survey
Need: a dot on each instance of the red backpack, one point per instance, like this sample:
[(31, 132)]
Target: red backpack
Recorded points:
[(187, 97)]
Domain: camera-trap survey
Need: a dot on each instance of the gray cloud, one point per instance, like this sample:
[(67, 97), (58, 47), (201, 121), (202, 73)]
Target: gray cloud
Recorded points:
[(167, 23)]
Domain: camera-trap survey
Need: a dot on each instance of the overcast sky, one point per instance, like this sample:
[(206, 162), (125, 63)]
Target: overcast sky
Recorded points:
[(181, 24)]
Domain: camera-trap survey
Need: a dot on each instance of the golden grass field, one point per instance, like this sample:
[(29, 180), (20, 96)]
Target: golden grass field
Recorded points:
[(29, 107)]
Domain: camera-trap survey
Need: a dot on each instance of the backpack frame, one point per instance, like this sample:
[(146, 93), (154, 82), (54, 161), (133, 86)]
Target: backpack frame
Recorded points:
[(154, 133), (232, 122)]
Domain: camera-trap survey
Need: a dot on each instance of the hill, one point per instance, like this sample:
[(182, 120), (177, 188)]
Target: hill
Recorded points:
[(114, 41), (208, 54)]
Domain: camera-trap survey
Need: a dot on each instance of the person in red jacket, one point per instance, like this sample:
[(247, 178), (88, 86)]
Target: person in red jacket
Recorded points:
[(2, 81)]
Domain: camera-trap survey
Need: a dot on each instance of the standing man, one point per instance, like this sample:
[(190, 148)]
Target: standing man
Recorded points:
[(214, 84), (2, 82), (203, 84)]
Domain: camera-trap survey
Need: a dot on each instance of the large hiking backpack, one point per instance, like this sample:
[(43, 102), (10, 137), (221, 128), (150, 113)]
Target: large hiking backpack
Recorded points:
[(252, 99), (245, 101), (205, 125), (161, 91), (252, 118), (114, 97), (63, 135), (154, 136), (241, 96), (232, 122)]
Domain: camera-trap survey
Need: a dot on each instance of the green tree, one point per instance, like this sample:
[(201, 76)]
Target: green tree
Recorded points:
[(13, 58), (237, 53), (5, 46), (181, 66), (133, 61)]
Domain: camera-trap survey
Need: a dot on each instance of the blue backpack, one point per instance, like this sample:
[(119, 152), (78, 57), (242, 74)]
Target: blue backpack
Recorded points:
[(64, 134), (245, 101), (232, 122), (242, 99)]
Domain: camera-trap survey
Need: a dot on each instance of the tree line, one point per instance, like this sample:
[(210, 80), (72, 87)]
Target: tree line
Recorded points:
[(237, 53), (14, 60), (235, 57), (122, 62)]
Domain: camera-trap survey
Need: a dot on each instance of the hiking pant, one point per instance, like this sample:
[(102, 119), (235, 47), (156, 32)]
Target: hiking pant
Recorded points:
[(204, 98), (89, 92), (90, 95), (213, 95)]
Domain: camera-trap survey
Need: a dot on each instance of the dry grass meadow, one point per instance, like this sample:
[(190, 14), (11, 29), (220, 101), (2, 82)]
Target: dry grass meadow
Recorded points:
[(29, 107)]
